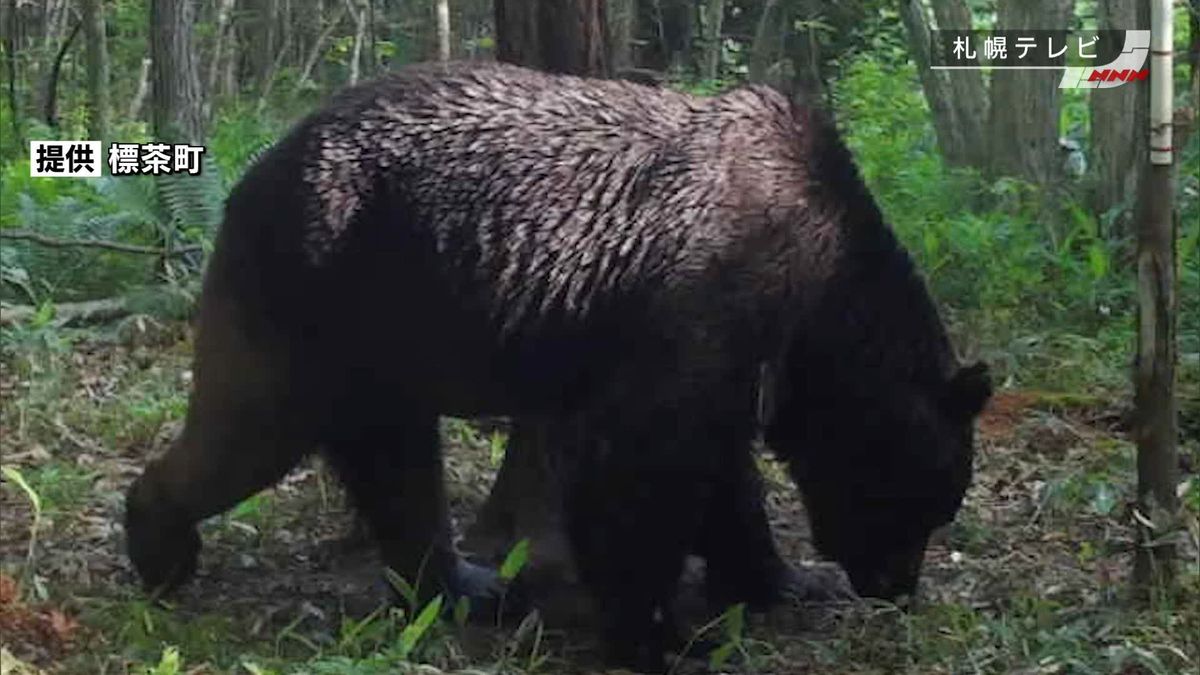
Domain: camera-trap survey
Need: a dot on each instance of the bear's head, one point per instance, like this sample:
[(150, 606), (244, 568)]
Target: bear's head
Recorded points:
[(880, 471)]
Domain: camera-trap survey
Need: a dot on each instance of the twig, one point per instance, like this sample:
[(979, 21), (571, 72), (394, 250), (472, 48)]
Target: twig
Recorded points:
[(56, 242)]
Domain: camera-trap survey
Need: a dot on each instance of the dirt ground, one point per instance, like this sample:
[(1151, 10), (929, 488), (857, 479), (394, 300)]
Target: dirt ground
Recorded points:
[(1041, 548)]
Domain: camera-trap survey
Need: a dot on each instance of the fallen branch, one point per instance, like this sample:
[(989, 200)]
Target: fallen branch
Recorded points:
[(56, 242)]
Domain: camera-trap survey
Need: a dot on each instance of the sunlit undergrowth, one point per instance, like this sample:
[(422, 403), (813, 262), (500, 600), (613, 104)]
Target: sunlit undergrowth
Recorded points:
[(1024, 274)]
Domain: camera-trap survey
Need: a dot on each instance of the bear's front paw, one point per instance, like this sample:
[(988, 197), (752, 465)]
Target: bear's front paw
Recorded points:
[(163, 545)]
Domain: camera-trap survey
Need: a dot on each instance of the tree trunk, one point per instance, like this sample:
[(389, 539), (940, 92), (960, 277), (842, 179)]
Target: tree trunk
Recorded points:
[(967, 95), (143, 88), (443, 30), (565, 36), (224, 8), (712, 18), (621, 21), (176, 104), (1118, 133), (805, 52), (12, 38), (763, 49), (359, 14), (1156, 423), (318, 48), (1023, 125), (560, 36), (260, 36), (50, 110), (97, 69), (935, 85)]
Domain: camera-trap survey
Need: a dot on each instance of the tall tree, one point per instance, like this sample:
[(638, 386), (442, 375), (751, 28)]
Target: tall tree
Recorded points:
[(952, 142), (97, 69), (1156, 423), (712, 18), (1118, 128), (665, 26), (443, 29), (621, 21), (259, 35), (176, 104), (359, 12), (12, 38), (1025, 104), (968, 97), (564, 36), (223, 47), (526, 500)]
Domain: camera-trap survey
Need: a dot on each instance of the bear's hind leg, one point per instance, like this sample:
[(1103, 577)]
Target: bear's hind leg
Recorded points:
[(391, 464)]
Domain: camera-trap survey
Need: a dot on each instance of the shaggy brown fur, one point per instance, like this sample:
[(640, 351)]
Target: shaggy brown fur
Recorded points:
[(480, 239)]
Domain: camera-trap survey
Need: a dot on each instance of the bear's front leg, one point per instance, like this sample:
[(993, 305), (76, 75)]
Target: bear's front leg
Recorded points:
[(742, 562), (391, 464), (246, 426), (632, 515)]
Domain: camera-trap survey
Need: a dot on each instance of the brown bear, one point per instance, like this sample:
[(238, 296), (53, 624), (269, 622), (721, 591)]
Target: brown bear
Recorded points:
[(485, 239)]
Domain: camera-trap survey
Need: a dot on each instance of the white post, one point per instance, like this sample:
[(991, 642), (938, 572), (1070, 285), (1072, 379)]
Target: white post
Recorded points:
[(1162, 35)]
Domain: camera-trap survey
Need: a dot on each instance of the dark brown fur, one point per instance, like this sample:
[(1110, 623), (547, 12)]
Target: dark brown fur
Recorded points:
[(486, 239)]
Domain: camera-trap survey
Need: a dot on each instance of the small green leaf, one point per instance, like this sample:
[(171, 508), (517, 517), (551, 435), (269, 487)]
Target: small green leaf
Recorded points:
[(735, 621), (169, 663), (718, 657), (13, 474), (413, 632), (405, 589), (462, 609), (515, 561), (44, 315)]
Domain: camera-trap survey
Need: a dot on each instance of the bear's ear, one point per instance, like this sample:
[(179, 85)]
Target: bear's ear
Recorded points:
[(967, 391)]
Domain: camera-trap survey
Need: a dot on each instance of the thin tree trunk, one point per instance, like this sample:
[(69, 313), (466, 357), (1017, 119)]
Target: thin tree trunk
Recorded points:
[(265, 94), (372, 55), (51, 109), (97, 69), (1025, 104), (176, 110), (1118, 128), (11, 40), (318, 48), (806, 51), (1156, 425), (224, 7), (935, 84), (143, 88), (443, 30), (360, 28), (260, 35), (712, 19), (967, 95), (762, 48)]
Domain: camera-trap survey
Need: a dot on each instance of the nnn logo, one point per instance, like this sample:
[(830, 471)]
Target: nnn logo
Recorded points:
[(1127, 67), (1114, 75)]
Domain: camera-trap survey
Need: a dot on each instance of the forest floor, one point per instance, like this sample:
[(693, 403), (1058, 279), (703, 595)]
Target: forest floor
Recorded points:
[(1031, 578)]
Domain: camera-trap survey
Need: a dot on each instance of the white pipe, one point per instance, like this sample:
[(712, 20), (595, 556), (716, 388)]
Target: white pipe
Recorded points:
[(1162, 38)]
